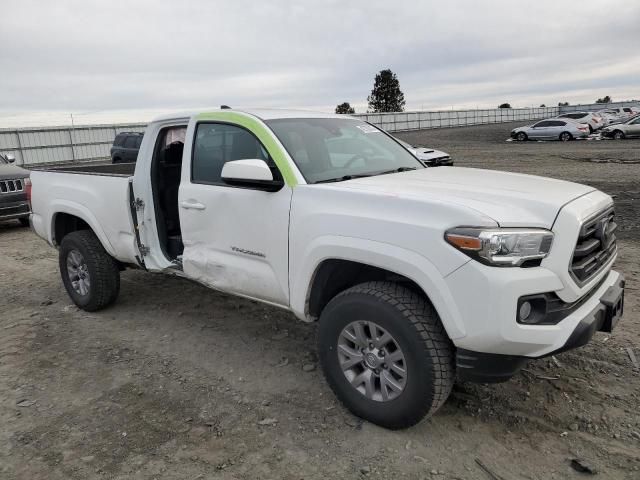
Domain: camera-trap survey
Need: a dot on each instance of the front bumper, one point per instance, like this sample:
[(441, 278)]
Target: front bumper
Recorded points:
[(603, 311), (12, 210), (440, 162)]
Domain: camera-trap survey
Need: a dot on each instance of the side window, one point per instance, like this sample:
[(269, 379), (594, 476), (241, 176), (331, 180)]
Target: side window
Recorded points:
[(628, 110), (138, 141), (636, 121), (130, 142), (218, 143), (557, 123), (542, 124)]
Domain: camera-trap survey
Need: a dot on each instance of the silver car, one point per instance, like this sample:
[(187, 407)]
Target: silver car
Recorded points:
[(630, 128), (551, 129)]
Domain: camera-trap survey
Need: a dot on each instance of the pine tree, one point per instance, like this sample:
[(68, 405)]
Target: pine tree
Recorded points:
[(345, 108), (386, 95)]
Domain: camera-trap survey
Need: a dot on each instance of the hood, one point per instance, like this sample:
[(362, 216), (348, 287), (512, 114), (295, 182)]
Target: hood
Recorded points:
[(510, 199), (9, 172), (429, 154)]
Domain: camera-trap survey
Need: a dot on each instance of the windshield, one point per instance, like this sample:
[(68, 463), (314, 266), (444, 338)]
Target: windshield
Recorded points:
[(334, 149)]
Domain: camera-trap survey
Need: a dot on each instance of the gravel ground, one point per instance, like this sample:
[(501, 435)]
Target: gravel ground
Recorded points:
[(179, 382)]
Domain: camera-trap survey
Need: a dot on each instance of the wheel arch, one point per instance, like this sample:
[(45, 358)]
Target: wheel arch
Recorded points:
[(571, 137), (67, 218), (346, 267)]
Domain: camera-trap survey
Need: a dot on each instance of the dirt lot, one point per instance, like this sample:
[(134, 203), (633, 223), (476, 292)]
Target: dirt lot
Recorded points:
[(179, 382)]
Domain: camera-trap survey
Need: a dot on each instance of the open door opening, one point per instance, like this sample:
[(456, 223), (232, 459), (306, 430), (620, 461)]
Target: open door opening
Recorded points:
[(166, 168)]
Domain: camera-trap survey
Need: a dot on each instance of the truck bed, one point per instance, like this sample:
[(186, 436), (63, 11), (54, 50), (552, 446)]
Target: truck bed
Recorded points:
[(110, 169), (99, 195)]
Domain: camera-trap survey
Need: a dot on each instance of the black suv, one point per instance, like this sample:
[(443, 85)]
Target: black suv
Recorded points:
[(14, 183), (125, 147)]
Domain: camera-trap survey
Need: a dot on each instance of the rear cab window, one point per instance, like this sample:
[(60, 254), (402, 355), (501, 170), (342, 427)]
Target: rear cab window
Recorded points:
[(130, 142)]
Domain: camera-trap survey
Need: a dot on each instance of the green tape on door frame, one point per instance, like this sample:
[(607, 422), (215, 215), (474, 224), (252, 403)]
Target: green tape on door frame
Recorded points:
[(256, 127)]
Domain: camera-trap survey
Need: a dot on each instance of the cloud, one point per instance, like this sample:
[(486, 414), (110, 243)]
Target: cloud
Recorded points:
[(88, 56)]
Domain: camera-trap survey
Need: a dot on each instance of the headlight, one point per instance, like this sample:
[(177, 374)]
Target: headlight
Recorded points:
[(502, 247)]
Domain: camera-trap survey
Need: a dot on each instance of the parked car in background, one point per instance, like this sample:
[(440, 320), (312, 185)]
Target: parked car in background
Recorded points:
[(609, 116), (620, 114), (428, 156), (551, 129), (592, 119), (125, 147), (630, 128), (14, 182)]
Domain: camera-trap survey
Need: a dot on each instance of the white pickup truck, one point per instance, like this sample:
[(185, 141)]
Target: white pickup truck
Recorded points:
[(416, 275)]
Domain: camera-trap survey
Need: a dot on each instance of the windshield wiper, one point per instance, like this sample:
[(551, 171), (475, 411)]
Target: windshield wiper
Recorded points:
[(345, 177), (351, 177), (396, 170)]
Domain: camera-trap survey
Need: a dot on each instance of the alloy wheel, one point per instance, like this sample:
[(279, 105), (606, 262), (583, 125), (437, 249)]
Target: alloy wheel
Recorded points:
[(372, 361), (78, 272)]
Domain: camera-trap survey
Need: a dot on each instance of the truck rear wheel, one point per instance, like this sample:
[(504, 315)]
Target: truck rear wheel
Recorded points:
[(385, 354), (90, 275)]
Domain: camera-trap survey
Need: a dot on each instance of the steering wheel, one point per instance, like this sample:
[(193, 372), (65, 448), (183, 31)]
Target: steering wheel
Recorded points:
[(353, 159)]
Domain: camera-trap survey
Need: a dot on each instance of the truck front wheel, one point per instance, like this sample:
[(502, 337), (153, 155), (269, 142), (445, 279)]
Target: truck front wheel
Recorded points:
[(90, 275), (385, 354)]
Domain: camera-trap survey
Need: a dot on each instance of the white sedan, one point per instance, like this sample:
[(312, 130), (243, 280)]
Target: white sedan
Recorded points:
[(428, 156)]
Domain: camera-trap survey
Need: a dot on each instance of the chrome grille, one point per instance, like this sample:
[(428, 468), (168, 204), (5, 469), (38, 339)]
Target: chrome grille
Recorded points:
[(595, 247), (11, 186)]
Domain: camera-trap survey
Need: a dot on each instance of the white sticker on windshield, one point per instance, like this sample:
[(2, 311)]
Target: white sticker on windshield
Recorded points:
[(368, 128)]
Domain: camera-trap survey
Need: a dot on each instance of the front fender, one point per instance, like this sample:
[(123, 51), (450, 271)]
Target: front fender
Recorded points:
[(382, 255)]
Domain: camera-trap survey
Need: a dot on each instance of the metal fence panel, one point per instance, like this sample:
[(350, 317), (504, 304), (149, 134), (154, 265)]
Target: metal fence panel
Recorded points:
[(598, 106), (36, 146), (33, 146)]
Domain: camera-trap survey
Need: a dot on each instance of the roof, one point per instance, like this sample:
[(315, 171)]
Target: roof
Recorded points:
[(262, 113)]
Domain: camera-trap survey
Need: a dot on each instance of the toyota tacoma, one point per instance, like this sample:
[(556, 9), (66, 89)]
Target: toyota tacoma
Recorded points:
[(416, 276)]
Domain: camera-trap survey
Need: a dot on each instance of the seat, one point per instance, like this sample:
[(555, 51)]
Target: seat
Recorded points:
[(171, 173)]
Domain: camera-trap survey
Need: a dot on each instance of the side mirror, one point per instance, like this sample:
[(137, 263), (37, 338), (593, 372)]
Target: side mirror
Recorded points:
[(10, 158), (250, 174)]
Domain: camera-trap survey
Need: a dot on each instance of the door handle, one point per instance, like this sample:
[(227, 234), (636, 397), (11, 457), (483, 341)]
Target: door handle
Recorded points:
[(192, 205)]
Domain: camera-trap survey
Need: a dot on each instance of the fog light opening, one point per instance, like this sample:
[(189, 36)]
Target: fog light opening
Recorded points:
[(525, 312)]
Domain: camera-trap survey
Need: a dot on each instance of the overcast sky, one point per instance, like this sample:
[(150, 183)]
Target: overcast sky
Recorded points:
[(131, 59)]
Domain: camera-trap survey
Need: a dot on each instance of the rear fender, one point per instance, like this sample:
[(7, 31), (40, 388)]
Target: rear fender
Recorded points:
[(83, 213)]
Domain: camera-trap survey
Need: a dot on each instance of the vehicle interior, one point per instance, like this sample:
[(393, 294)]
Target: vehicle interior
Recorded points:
[(166, 168)]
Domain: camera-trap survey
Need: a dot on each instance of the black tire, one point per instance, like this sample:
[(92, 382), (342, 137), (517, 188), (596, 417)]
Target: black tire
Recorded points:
[(618, 135), (24, 221), (415, 326), (565, 137), (522, 137), (103, 271)]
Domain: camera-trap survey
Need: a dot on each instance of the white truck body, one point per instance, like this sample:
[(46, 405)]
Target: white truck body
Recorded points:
[(271, 245)]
